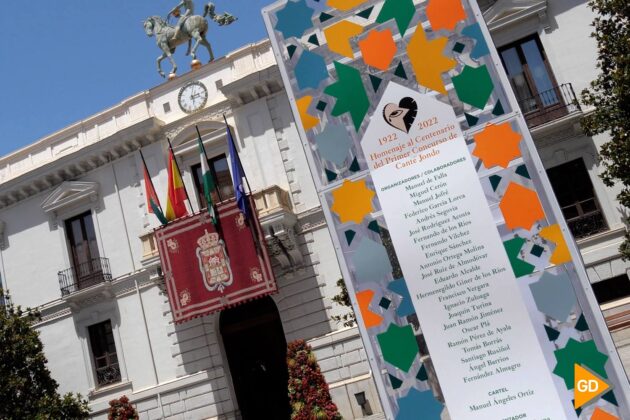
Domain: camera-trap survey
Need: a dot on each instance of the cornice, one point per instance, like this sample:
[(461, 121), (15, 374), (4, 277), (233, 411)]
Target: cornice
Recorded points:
[(507, 12), (557, 130), (80, 162)]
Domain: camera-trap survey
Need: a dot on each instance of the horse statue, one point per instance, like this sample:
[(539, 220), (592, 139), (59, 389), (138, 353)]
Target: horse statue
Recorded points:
[(195, 27)]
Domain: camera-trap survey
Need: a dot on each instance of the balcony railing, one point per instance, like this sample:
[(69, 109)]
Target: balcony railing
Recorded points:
[(84, 275), (107, 369), (587, 224), (549, 105)]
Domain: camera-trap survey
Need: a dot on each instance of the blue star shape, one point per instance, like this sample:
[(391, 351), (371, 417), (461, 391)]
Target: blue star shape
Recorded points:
[(399, 286), (417, 402), (554, 295), (333, 143), (310, 70), (294, 19), (371, 262)]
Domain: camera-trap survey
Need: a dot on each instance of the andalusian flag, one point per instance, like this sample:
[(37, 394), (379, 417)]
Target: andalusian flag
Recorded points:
[(176, 198), (153, 203), (208, 180)]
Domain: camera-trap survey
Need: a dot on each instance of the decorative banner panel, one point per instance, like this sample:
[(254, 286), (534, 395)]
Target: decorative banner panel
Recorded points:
[(207, 271), (469, 291)]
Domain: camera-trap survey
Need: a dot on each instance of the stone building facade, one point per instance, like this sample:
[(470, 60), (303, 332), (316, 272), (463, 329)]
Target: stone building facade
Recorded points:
[(80, 191), (549, 55)]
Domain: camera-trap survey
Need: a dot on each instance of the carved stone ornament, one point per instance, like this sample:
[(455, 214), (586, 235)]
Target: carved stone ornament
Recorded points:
[(71, 193), (278, 223), (506, 12)]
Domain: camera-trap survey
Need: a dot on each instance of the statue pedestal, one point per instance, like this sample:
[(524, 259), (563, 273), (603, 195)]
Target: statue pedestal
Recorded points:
[(195, 64)]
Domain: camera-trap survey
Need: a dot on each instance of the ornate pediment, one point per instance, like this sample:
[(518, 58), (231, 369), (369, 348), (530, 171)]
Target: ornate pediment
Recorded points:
[(505, 12), (70, 193)]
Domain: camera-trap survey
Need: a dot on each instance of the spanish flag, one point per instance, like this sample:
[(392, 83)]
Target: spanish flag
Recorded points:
[(176, 198)]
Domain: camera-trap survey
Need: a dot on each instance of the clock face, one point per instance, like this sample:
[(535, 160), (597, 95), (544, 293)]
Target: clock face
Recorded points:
[(193, 97)]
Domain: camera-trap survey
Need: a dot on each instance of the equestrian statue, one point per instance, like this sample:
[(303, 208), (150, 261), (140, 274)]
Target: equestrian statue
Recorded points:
[(188, 27)]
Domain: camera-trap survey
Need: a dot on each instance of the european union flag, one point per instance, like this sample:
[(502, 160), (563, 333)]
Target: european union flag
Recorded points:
[(237, 174)]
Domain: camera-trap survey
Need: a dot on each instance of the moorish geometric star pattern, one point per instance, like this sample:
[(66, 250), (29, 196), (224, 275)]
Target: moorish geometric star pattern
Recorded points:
[(352, 201), (521, 207), (416, 402), (444, 14), (294, 19), (371, 263), (427, 60), (497, 145), (350, 93), (583, 353), (401, 11)]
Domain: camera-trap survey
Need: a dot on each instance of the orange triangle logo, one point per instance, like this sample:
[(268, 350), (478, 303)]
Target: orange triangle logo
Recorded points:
[(588, 386)]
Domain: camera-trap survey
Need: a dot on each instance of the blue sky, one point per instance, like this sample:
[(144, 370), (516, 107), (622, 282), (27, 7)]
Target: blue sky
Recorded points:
[(61, 61)]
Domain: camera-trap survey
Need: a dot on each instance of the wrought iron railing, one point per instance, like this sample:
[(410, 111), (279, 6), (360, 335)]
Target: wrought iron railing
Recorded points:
[(587, 225), (107, 369), (80, 276), (549, 105)]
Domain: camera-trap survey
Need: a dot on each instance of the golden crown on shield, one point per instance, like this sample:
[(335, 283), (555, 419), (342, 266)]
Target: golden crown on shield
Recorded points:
[(208, 241)]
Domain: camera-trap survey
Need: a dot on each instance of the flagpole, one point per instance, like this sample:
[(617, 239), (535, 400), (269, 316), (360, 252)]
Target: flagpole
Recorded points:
[(150, 180), (250, 201), (180, 175), (238, 158), (216, 183)]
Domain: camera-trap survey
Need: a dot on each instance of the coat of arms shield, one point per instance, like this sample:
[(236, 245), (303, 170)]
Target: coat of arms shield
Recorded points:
[(213, 262)]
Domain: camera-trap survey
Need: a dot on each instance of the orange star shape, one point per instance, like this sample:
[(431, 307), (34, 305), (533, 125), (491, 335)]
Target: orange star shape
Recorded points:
[(444, 14), (345, 5), (308, 121), (338, 37), (378, 49), (497, 145), (600, 414), (561, 254), (371, 319), (352, 201), (521, 207), (427, 60)]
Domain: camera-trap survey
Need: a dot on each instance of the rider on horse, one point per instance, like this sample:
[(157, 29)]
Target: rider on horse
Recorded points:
[(190, 9)]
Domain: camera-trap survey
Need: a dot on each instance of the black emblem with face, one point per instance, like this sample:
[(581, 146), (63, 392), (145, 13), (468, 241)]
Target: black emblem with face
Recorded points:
[(401, 115)]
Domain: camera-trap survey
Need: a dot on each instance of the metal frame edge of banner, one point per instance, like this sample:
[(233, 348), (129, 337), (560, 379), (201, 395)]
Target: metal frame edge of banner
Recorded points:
[(586, 300)]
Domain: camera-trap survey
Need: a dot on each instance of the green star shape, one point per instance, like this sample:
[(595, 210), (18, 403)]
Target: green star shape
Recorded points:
[(350, 93), (583, 353), (399, 346), (401, 11), (512, 248), (474, 86)]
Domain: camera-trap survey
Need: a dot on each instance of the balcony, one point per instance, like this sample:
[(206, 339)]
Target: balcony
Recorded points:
[(107, 369), (82, 276), (278, 222), (587, 224), (549, 105)]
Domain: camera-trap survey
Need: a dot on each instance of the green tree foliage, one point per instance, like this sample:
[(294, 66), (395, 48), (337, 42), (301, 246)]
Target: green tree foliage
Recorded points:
[(27, 391), (121, 409), (610, 95), (343, 298), (308, 391)]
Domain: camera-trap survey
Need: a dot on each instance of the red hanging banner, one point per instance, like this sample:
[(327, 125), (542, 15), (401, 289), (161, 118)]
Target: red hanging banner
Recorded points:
[(207, 271)]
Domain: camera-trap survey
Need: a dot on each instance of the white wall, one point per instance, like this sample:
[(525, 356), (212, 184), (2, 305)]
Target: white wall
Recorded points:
[(33, 255)]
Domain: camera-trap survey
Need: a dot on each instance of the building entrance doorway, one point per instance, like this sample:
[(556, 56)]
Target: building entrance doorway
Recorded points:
[(256, 352)]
